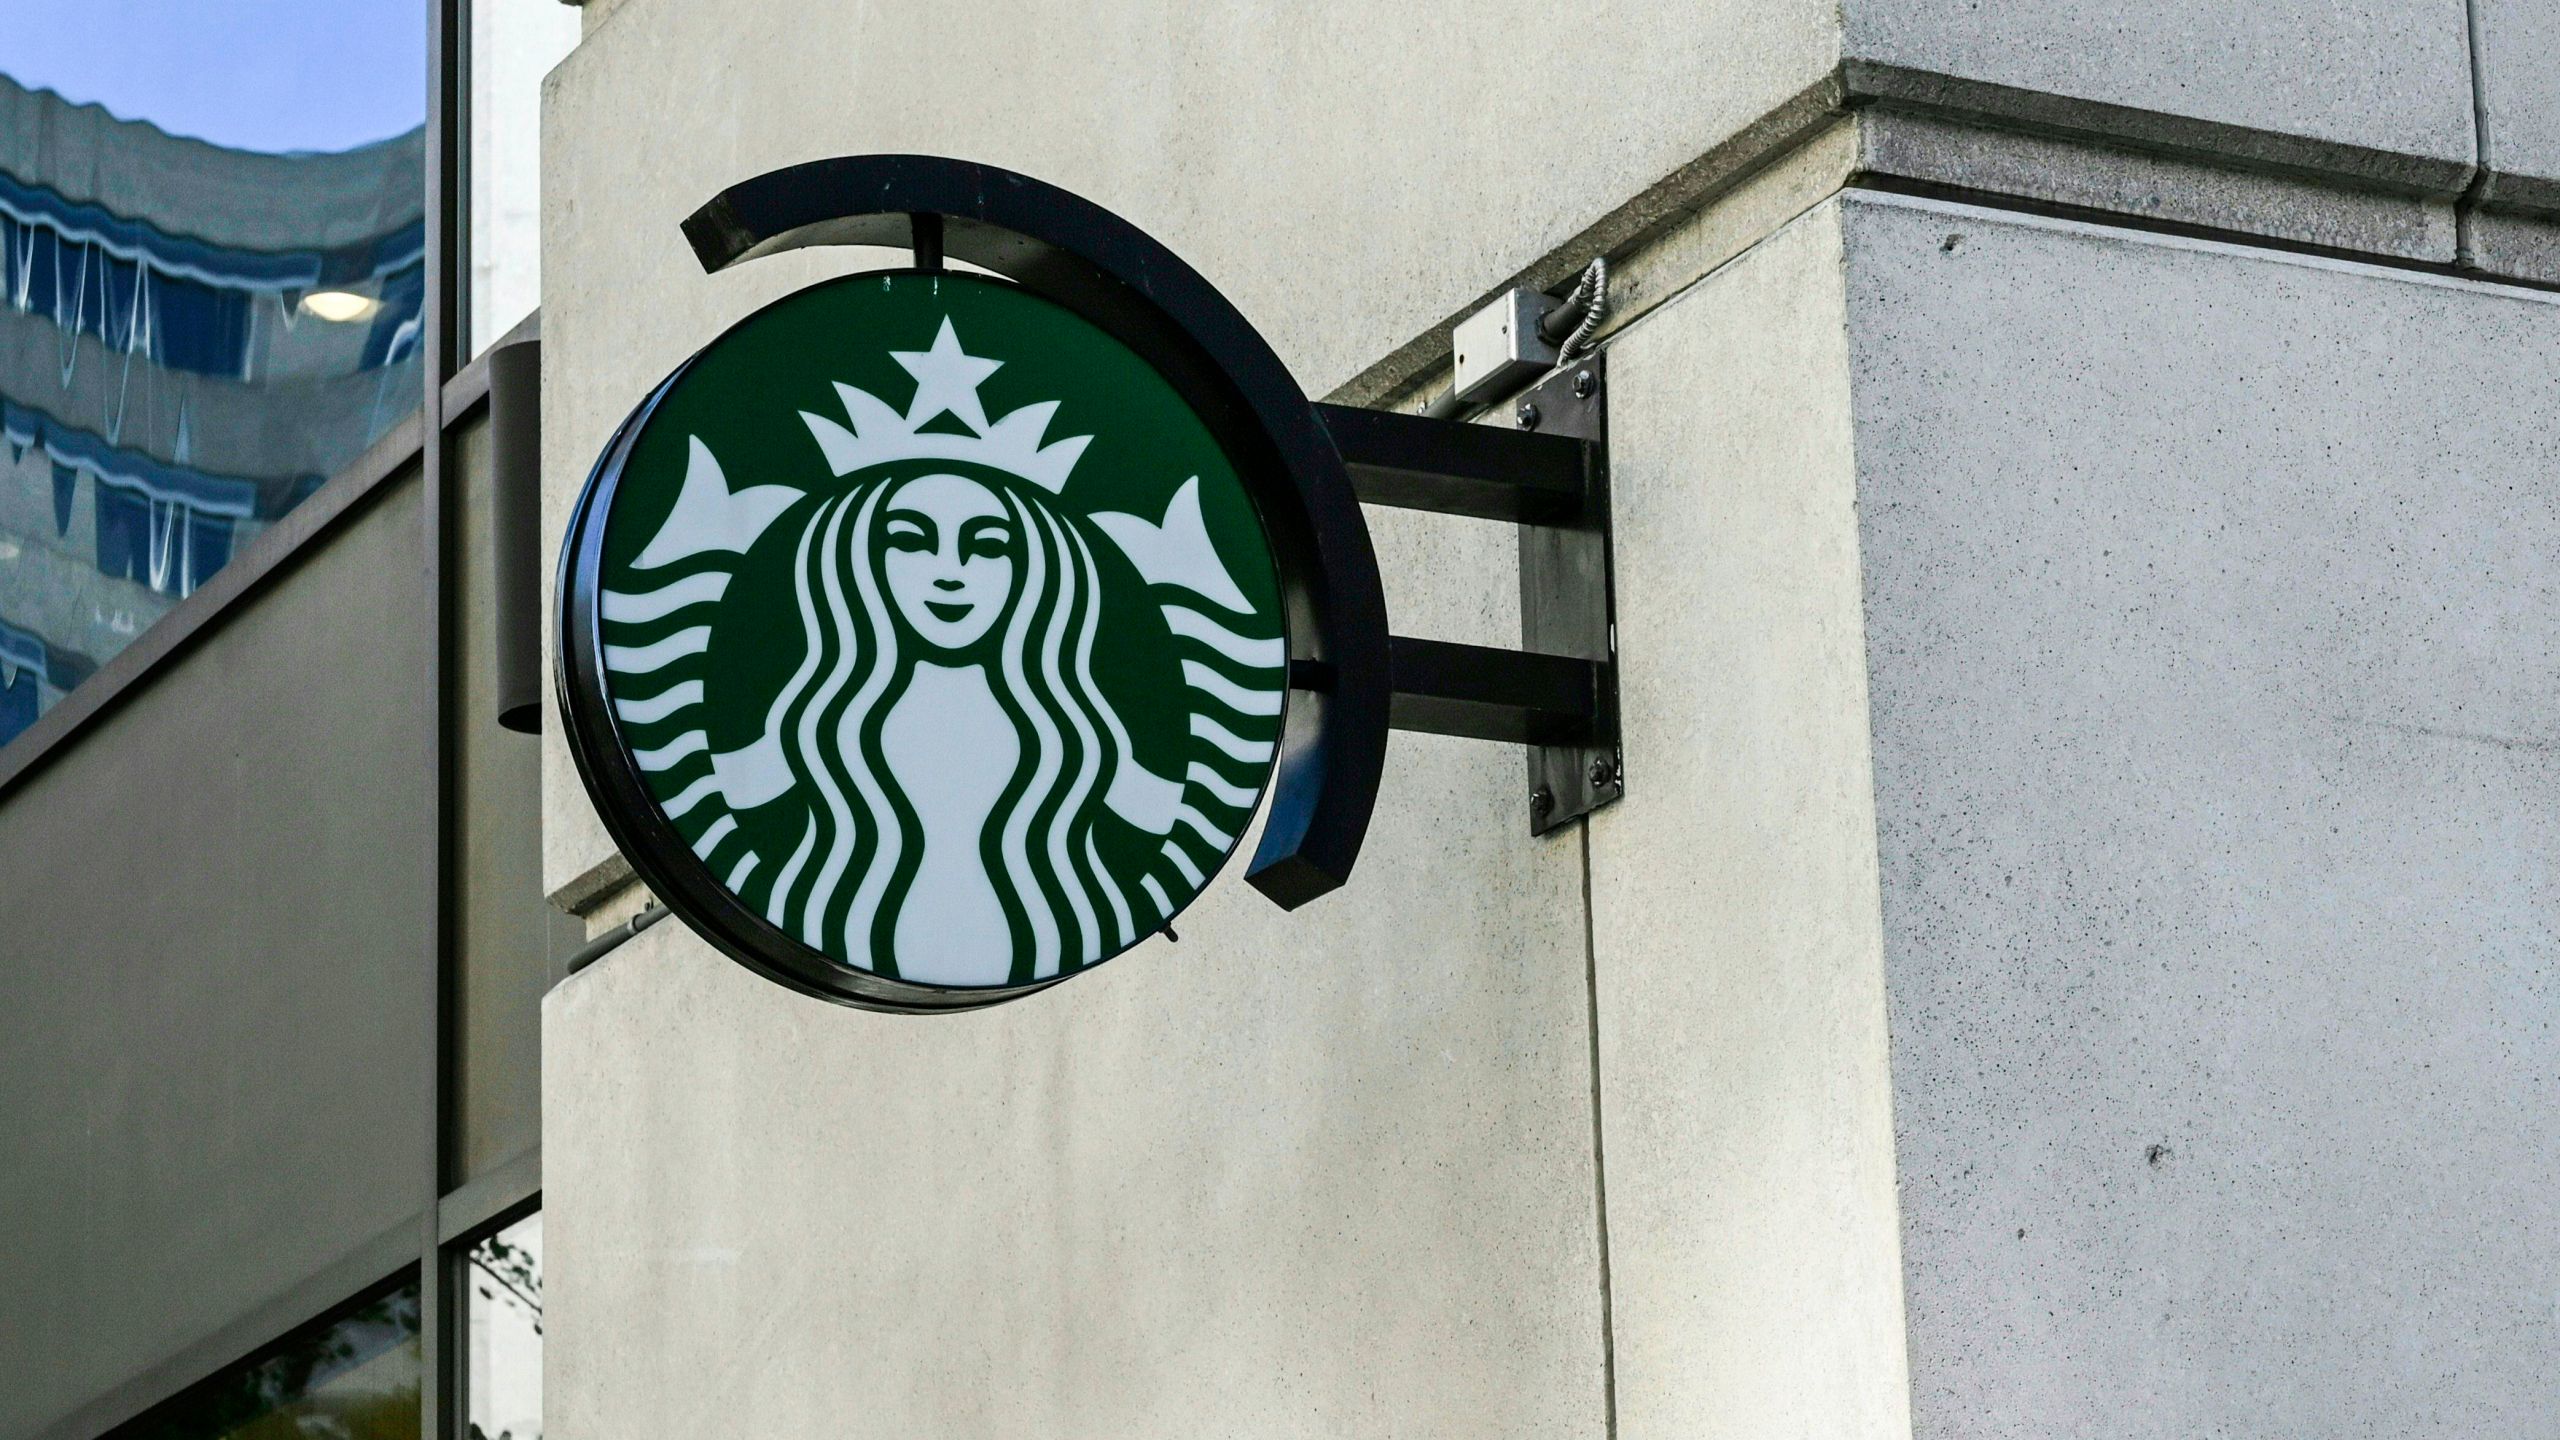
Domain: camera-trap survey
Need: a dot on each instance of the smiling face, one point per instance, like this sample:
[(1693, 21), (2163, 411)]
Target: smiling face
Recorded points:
[(950, 562)]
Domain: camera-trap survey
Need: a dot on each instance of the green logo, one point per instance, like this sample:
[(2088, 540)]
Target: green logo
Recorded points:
[(941, 630)]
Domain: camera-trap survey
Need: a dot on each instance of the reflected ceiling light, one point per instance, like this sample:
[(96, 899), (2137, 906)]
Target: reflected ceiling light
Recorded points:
[(339, 305)]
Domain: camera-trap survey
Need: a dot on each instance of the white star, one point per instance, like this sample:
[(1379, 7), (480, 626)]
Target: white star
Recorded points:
[(947, 379)]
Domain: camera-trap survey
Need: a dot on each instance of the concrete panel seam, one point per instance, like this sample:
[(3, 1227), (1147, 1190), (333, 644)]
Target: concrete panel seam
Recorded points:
[(2512, 243), (1599, 1156), (2358, 197), (2505, 224), (1866, 82), (2152, 182), (2509, 193), (2484, 180), (1991, 207)]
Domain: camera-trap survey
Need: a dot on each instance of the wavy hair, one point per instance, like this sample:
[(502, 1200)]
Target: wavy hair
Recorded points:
[(856, 862)]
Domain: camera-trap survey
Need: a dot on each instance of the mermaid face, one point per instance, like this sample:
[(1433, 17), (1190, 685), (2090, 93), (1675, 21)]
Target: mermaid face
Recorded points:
[(950, 561)]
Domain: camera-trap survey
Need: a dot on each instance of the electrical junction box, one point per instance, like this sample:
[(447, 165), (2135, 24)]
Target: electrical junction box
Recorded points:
[(1498, 348)]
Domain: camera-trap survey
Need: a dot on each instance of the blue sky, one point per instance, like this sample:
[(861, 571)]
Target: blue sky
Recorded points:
[(252, 74)]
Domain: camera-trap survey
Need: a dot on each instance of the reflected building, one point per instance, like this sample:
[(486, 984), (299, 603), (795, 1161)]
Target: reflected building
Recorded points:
[(354, 1376), (192, 339)]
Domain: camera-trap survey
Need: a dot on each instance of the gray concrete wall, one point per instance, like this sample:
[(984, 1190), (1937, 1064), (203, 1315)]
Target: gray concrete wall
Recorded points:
[(1325, 1175), (212, 1068), (2519, 56), (1754, 1266), (2211, 628)]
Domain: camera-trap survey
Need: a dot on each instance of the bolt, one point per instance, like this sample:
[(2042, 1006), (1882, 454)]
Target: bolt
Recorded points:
[(1603, 771), (1583, 384), (1541, 800), (1527, 415)]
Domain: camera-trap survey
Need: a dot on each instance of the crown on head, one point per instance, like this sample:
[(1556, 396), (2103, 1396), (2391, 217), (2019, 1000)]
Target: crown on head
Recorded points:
[(947, 381)]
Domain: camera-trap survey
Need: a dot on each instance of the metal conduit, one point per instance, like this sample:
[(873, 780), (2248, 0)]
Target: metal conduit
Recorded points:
[(604, 944), (1569, 327)]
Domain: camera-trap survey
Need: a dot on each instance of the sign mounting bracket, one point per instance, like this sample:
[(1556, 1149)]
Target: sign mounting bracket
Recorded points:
[(1547, 472)]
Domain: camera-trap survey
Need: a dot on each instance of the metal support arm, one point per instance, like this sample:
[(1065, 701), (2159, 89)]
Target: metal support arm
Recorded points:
[(1483, 693), (1449, 468), (1558, 693)]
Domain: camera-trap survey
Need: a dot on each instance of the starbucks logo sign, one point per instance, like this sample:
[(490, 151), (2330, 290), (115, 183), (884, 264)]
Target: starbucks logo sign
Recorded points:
[(931, 632), (934, 635)]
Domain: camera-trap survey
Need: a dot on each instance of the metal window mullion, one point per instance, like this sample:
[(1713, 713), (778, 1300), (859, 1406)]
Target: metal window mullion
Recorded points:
[(440, 1409)]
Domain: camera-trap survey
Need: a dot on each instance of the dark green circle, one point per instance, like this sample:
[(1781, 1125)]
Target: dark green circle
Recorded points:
[(742, 400)]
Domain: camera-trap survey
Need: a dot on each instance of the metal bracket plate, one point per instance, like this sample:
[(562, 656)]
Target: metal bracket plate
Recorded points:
[(1567, 603)]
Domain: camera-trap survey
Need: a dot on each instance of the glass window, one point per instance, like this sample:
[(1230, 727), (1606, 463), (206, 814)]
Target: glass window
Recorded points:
[(351, 1378), (505, 1333), (212, 266), (514, 43)]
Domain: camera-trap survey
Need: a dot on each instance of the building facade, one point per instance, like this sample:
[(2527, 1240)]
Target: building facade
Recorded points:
[(2076, 954), (269, 866)]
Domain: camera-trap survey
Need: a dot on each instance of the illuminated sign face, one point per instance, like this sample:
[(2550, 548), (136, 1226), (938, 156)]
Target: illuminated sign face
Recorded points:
[(936, 632)]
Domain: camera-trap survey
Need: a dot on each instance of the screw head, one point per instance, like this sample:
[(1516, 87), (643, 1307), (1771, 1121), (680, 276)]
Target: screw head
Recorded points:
[(1603, 771), (1527, 415), (1541, 800), (1584, 384)]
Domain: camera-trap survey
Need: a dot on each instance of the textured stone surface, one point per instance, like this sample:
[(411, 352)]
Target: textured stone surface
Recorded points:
[(2149, 186), (1350, 175), (1327, 1173), (2385, 75), (2519, 55), (1745, 1124), (2513, 244), (2213, 612), (2516, 229)]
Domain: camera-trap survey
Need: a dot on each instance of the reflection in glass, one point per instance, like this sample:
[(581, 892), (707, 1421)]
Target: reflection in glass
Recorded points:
[(353, 1378), (514, 43), (505, 1333), (193, 336)]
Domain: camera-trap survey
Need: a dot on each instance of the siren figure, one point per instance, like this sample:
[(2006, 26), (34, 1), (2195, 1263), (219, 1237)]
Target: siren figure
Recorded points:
[(947, 722), (942, 731)]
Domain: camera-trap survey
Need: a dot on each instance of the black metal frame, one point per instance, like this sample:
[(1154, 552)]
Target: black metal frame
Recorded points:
[(459, 1211), (1568, 599), (1549, 474), (440, 1407)]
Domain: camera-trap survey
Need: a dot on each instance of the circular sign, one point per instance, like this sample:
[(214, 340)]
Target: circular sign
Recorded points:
[(928, 647)]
